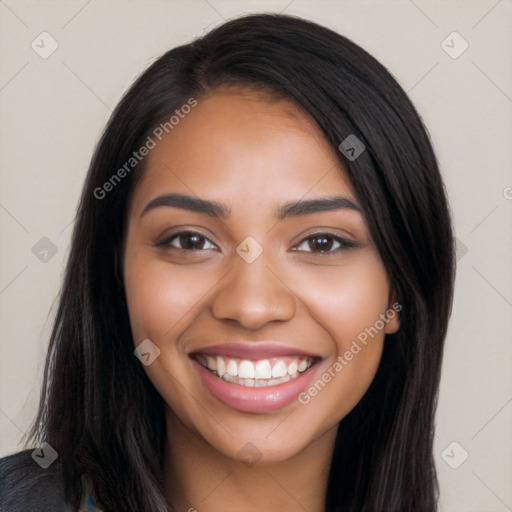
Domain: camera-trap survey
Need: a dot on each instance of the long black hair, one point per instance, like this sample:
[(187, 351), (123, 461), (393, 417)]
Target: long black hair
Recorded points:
[(98, 408)]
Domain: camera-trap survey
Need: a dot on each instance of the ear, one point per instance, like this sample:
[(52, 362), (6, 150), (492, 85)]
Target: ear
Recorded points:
[(393, 314)]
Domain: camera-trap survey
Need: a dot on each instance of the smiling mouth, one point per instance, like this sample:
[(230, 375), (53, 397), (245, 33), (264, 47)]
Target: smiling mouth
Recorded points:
[(256, 372)]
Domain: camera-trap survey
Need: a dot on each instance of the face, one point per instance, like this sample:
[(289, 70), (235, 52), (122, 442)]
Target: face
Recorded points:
[(247, 253)]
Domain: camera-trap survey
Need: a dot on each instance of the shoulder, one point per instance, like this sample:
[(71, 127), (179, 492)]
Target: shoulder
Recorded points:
[(25, 485)]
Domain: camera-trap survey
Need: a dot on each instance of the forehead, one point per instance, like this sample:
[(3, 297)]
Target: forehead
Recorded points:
[(239, 144)]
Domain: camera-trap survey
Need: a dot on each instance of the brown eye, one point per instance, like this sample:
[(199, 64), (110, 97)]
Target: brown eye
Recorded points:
[(324, 243), (187, 241), (320, 243), (191, 241)]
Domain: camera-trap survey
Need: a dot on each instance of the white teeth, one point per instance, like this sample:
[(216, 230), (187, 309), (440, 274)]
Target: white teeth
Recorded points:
[(279, 370), (258, 383), (229, 378), (255, 373), (232, 368), (292, 368), (263, 369), (246, 370), (303, 365), (221, 366)]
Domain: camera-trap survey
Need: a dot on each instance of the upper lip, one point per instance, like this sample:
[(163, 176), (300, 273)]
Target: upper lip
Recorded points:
[(253, 350)]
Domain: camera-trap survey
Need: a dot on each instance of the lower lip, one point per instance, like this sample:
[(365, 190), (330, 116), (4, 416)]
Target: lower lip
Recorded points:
[(256, 400)]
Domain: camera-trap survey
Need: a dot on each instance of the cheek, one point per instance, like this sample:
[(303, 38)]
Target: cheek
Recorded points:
[(347, 299), (161, 302), (347, 302), (160, 298)]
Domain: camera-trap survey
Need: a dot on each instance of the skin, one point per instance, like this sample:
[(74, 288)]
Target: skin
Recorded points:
[(252, 153)]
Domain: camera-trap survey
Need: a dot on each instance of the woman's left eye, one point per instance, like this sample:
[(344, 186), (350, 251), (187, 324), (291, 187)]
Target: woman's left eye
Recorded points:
[(324, 243)]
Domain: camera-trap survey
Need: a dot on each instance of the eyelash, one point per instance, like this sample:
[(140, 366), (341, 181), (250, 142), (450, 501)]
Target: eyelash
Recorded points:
[(343, 243)]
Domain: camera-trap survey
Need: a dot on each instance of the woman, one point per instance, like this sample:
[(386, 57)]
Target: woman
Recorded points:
[(258, 290)]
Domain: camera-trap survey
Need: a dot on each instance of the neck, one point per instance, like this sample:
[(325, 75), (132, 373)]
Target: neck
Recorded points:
[(199, 478)]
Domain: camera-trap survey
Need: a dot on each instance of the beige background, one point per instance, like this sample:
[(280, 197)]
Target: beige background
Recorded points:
[(53, 109)]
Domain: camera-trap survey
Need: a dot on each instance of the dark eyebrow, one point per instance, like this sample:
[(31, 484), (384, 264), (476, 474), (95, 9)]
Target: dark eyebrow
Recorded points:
[(216, 209), (296, 208), (191, 203)]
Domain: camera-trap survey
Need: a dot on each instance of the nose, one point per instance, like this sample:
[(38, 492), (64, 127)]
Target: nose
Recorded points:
[(253, 295)]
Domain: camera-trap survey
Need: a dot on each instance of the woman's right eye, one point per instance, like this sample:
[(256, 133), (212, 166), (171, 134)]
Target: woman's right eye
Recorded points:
[(187, 241)]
